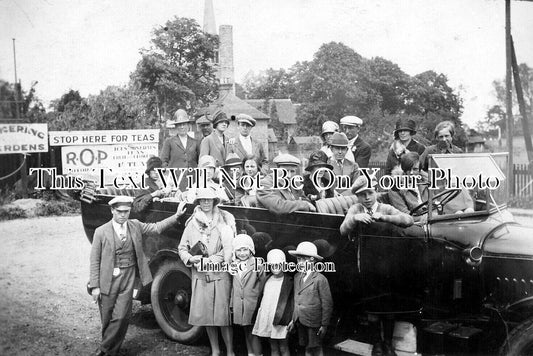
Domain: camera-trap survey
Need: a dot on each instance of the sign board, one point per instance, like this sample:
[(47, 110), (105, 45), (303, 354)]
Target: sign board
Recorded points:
[(103, 137), (123, 160), (23, 138)]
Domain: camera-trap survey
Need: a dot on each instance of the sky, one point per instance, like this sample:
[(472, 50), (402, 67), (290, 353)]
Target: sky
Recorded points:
[(88, 45)]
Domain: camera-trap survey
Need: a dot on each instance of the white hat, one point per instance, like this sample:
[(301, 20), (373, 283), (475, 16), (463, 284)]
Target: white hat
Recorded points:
[(329, 127), (243, 240), (276, 256), (246, 118), (286, 159), (207, 161), (170, 124), (351, 121), (206, 193), (121, 200), (306, 248)]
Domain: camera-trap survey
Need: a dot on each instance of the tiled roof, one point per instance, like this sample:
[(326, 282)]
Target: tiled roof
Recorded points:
[(285, 109), (232, 106)]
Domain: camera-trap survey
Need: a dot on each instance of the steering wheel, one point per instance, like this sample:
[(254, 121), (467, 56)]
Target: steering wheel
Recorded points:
[(439, 201)]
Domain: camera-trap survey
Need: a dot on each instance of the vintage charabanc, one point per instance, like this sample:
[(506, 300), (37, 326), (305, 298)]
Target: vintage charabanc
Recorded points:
[(464, 282)]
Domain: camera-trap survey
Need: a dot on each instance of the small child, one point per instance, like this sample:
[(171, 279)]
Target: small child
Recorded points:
[(247, 287), (276, 307), (313, 304)]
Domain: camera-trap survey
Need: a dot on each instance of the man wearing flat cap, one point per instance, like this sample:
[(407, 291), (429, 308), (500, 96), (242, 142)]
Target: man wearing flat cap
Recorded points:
[(358, 150), (204, 128), (117, 259), (245, 145), (368, 209), (283, 201)]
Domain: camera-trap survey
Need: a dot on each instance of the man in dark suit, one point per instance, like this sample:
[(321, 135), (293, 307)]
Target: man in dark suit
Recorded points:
[(180, 150), (283, 200), (358, 150), (245, 145), (342, 166), (117, 258)]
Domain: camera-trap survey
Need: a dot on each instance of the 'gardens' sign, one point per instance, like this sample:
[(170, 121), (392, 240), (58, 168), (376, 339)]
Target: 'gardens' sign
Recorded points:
[(23, 138)]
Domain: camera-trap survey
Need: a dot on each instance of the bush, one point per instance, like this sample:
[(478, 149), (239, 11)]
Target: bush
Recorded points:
[(58, 207), (11, 213)]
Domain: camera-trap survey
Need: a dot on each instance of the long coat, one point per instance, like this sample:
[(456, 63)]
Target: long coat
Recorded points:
[(359, 153), (174, 155), (211, 145), (257, 150), (102, 260), (280, 201), (245, 293), (210, 291), (313, 303), (285, 307)]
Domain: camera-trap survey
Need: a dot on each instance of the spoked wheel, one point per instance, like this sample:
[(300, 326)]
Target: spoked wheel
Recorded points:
[(171, 297)]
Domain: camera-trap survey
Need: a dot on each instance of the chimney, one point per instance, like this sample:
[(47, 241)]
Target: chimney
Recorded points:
[(225, 56), (209, 18)]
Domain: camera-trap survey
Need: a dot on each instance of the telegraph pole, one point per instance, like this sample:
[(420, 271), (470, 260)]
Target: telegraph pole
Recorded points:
[(17, 114), (509, 95)]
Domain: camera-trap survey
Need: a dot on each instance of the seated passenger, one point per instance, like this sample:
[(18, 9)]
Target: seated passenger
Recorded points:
[(209, 164), (251, 166), (283, 200), (317, 160), (233, 162), (368, 209), (443, 133), (406, 200), (154, 186)]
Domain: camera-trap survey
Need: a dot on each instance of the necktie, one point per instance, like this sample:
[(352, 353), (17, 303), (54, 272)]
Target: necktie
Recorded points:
[(122, 233), (370, 212), (339, 162)]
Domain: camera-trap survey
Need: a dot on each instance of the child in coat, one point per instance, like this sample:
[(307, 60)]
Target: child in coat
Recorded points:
[(248, 284), (313, 304), (276, 307)]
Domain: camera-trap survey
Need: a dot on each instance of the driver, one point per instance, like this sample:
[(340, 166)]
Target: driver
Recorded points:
[(368, 209)]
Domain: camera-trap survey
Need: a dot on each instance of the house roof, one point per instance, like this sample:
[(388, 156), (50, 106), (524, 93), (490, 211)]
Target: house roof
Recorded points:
[(476, 139), (285, 109), (232, 106)]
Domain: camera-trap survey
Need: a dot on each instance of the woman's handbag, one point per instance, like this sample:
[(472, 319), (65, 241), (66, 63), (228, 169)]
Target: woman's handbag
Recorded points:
[(199, 249)]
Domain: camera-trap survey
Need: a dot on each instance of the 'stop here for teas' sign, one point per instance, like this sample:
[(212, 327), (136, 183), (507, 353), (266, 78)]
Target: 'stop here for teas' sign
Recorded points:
[(103, 137)]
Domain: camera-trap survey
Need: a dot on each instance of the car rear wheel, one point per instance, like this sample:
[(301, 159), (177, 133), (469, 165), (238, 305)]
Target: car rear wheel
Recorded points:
[(171, 296), (520, 340)]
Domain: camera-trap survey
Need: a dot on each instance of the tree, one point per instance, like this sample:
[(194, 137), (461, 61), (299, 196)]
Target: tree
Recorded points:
[(390, 83), (30, 107), (272, 83), (178, 69)]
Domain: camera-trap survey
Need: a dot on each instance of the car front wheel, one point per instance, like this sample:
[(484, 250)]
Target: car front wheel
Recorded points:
[(520, 340), (171, 296)]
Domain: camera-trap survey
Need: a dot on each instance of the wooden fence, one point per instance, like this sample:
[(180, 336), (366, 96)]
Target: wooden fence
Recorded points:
[(523, 181)]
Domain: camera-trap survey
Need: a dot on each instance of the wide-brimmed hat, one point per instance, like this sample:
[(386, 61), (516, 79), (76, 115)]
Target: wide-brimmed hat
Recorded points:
[(170, 124), (329, 127), (276, 256), (307, 249), (232, 160), (339, 139), (324, 248), (206, 193), (351, 121), (203, 120), (207, 161), (181, 117), (318, 159), (286, 159), (121, 200), (405, 124), (361, 184), (153, 163), (243, 240), (218, 117), (247, 119)]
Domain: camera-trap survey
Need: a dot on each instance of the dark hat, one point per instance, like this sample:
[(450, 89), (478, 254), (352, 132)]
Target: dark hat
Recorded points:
[(318, 159), (218, 117), (324, 248), (203, 120), (232, 160), (153, 163), (405, 124), (339, 139)]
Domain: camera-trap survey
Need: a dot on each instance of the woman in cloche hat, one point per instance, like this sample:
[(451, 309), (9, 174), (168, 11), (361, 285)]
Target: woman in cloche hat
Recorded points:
[(206, 243), (403, 142), (316, 182)]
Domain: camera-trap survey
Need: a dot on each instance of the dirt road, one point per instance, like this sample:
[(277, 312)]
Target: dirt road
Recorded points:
[(44, 307)]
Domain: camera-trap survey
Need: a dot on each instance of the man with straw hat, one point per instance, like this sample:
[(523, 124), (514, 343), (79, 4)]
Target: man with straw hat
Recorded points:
[(245, 145), (313, 303), (359, 150)]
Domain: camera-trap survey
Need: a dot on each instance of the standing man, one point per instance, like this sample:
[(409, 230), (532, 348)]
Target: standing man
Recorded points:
[(283, 200), (203, 128), (180, 150), (341, 165), (117, 257), (245, 146), (358, 150)]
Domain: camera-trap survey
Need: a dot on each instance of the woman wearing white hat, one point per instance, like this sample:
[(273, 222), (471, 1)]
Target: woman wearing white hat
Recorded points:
[(207, 243)]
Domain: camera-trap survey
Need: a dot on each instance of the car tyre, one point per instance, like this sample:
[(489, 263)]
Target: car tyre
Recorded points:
[(170, 296), (519, 341)]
